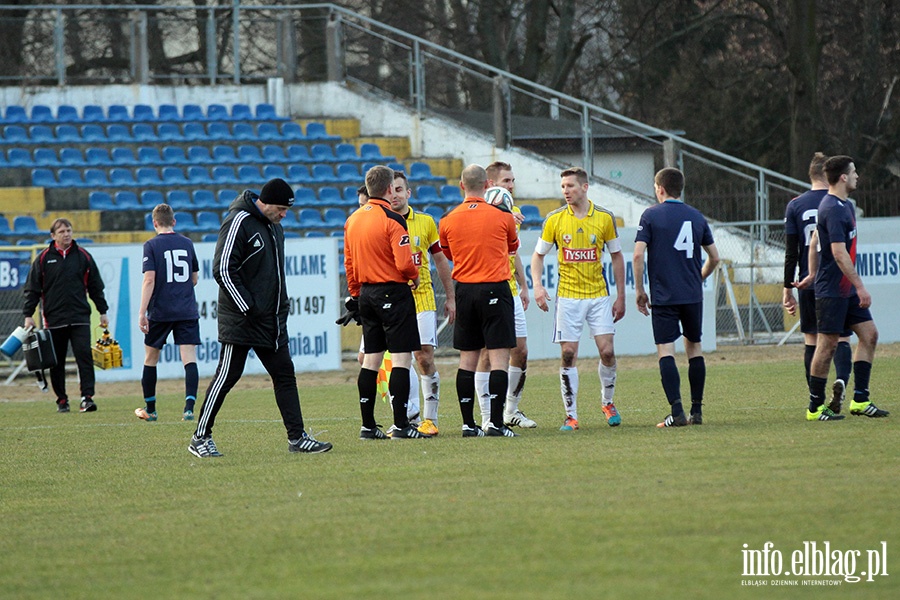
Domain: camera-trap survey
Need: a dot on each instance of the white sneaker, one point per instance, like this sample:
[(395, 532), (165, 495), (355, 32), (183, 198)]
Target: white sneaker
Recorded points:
[(518, 419)]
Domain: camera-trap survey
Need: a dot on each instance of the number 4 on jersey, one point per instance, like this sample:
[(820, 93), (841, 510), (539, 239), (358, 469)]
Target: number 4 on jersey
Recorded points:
[(685, 240)]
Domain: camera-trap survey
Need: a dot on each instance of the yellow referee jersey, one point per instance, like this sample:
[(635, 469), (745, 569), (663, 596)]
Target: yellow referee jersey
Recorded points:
[(513, 286), (423, 234), (580, 243)]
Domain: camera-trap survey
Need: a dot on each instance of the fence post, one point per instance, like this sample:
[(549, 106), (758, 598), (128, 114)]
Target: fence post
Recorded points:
[(236, 39), (287, 49), (334, 49), (212, 59), (59, 42), (587, 141), (501, 112), (140, 60), (670, 153)]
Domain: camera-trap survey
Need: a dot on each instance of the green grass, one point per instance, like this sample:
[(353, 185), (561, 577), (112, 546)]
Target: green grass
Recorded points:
[(101, 505)]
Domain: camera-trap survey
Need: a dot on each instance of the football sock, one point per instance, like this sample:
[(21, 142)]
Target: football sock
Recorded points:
[(608, 382), (861, 372), (398, 386), (148, 381), (697, 380), (482, 379), (498, 384), (412, 409), (514, 392), (568, 387), (671, 380), (189, 403), (843, 361), (808, 352), (465, 391), (191, 381), (431, 388), (367, 385), (151, 404), (816, 392)]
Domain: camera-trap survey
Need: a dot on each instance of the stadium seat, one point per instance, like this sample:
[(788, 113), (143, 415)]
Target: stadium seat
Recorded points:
[(426, 194), (226, 197), (304, 196), (174, 155), (148, 222), (168, 112), (274, 171), (68, 133), (218, 130), (121, 177), (41, 113), (532, 214), (95, 178), (199, 155), (174, 176), (185, 221), (15, 134), (169, 132), (348, 173), (330, 196), (192, 112), (273, 154), (43, 178), (346, 153), (323, 174), (248, 154), (225, 155), (419, 171), (322, 153), (127, 200), (71, 157), (451, 194), (45, 157), (250, 175), (150, 198), (208, 221), (310, 218), (124, 157), (69, 178), (143, 113), (241, 112), (371, 152), (266, 112), (243, 131), (100, 201), (93, 114), (67, 114), (290, 220), (210, 237), (334, 218), (148, 176), (144, 132), (299, 174), (25, 225), (199, 175), (317, 131), (15, 114), (298, 153), (268, 131), (146, 155), (117, 112), (216, 112), (93, 133), (436, 212), (204, 199), (350, 196), (41, 134), (17, 157), (179, 200), (222, 174), (4, 226), (291, 131), (195, 132), (119, 133), (97, 157), (314, 234)]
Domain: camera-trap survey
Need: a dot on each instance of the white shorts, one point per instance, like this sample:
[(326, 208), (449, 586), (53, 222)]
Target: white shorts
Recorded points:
[(573, 313), (427, 320), (521, 329)]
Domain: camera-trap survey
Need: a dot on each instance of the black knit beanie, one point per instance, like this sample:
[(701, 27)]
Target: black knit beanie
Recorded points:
[(277, 191)]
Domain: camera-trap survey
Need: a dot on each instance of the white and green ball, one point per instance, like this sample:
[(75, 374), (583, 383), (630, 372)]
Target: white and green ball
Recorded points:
[(499, 197)]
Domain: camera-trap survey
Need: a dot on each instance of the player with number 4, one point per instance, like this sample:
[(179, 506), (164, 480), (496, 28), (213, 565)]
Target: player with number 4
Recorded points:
[(672, 234)]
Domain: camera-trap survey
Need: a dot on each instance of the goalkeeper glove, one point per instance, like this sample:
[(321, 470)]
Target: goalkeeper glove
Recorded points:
[(351, 312)]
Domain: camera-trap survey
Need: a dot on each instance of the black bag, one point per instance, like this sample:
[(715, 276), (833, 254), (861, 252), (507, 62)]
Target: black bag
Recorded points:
[(38, 349)]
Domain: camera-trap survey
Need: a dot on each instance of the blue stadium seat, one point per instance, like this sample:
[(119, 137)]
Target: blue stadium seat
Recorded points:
[(346, 153), (218, 130), (127, 200), (268, 131), (100, 201), (314, 234), (532, 214), (148, 222), (15, 114), (222, 174), (41, 114), (299, 174), (45, 157), (121, 177), (426, 194), (144, 132), (304, 196), (150, 198), (349, 195), (68, 133), (310, 218), (451, 194), (208, 221), (205, 199), (273, 154), (147, 155), (168, 112), (67, 114), (148, 176), (274, 171), (436, 212), (330, 196), (199, 175), (322, 153), (185, 221), (243, 131), (226, 197), (199, 155), (195, 132), (15, 134), (248, 154), (71, 157), (348, 172), (224, 155), (119, 133), (292, 131), (266, 112), (97, 157), (317, 131), (174, 176), (95, 178), (396, 166), (293, 234), (25, 225), (216, 112), (124, 157), (43, 178), (290, 220), (41, 134), (297, 153), (323, 174), (69, 178), (174, 155), (93, 133), (169, 132), (93, 114), (241, 112), (250, 175), (209, 237), (143, 113), (179, 200), (4, 225), (334, 217), (117, 112), (371, 152), (18, 157), (419, 171), (192, 112)]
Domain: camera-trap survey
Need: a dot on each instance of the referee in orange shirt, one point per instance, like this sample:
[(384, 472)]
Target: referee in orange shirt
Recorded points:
[(479, 239), (380, 273)]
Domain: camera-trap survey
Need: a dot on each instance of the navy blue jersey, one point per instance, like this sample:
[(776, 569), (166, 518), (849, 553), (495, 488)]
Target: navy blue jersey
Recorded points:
[(674, 233), (800, 220), (173, 258), (836, 223)]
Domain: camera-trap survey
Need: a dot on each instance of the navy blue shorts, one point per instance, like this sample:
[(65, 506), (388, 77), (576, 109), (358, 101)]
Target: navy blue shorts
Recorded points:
[(186, 333), (839, 315), (806, 301), (388, 315), (670, 321)]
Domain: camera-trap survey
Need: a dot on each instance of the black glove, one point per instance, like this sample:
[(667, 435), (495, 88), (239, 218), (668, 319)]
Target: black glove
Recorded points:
[(351, 312)]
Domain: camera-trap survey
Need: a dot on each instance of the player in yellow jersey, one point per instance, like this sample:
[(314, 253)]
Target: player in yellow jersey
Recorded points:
[(580, 230), (501, 174)]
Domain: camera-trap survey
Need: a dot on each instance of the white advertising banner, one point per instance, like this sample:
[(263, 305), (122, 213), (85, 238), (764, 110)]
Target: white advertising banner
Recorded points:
[(311, 266)]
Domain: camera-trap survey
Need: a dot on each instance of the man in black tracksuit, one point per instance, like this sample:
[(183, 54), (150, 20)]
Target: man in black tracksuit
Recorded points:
[(61, 278), (253, 310)]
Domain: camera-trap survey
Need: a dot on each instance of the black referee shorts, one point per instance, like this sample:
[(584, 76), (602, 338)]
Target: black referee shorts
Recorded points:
[(485, 317), (388, 315)]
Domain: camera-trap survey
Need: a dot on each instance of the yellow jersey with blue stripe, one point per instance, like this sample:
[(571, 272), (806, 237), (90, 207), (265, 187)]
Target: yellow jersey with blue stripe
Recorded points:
[(580, 243), (423, 239)]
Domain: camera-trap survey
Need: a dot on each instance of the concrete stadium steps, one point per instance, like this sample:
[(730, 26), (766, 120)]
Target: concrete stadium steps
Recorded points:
[(21, 200)]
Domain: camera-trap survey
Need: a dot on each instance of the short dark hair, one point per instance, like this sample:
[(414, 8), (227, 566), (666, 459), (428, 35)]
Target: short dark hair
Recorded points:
[(671, 180), (164, 215), (817, 166), (837, 166), (60, 222), (379, 180), (577, 172), (362, 190), (495, 167), (401, 175)]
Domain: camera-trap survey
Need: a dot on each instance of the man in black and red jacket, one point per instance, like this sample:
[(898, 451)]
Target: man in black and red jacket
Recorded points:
[(61, 278)]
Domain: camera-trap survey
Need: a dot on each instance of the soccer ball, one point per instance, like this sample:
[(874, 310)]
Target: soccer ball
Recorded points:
[(499, 197)]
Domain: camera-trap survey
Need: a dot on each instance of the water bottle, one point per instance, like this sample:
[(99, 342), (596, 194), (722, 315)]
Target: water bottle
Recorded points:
[(14, 341)]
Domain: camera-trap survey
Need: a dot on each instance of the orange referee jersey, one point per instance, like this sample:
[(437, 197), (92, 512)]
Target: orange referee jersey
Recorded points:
[(479, 238), (376, 247)]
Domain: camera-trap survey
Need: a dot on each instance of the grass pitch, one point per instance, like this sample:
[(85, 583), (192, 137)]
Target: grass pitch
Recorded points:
[(102, 505)]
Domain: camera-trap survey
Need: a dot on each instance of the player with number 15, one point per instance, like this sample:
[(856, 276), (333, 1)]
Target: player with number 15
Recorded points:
[(672, 234)]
